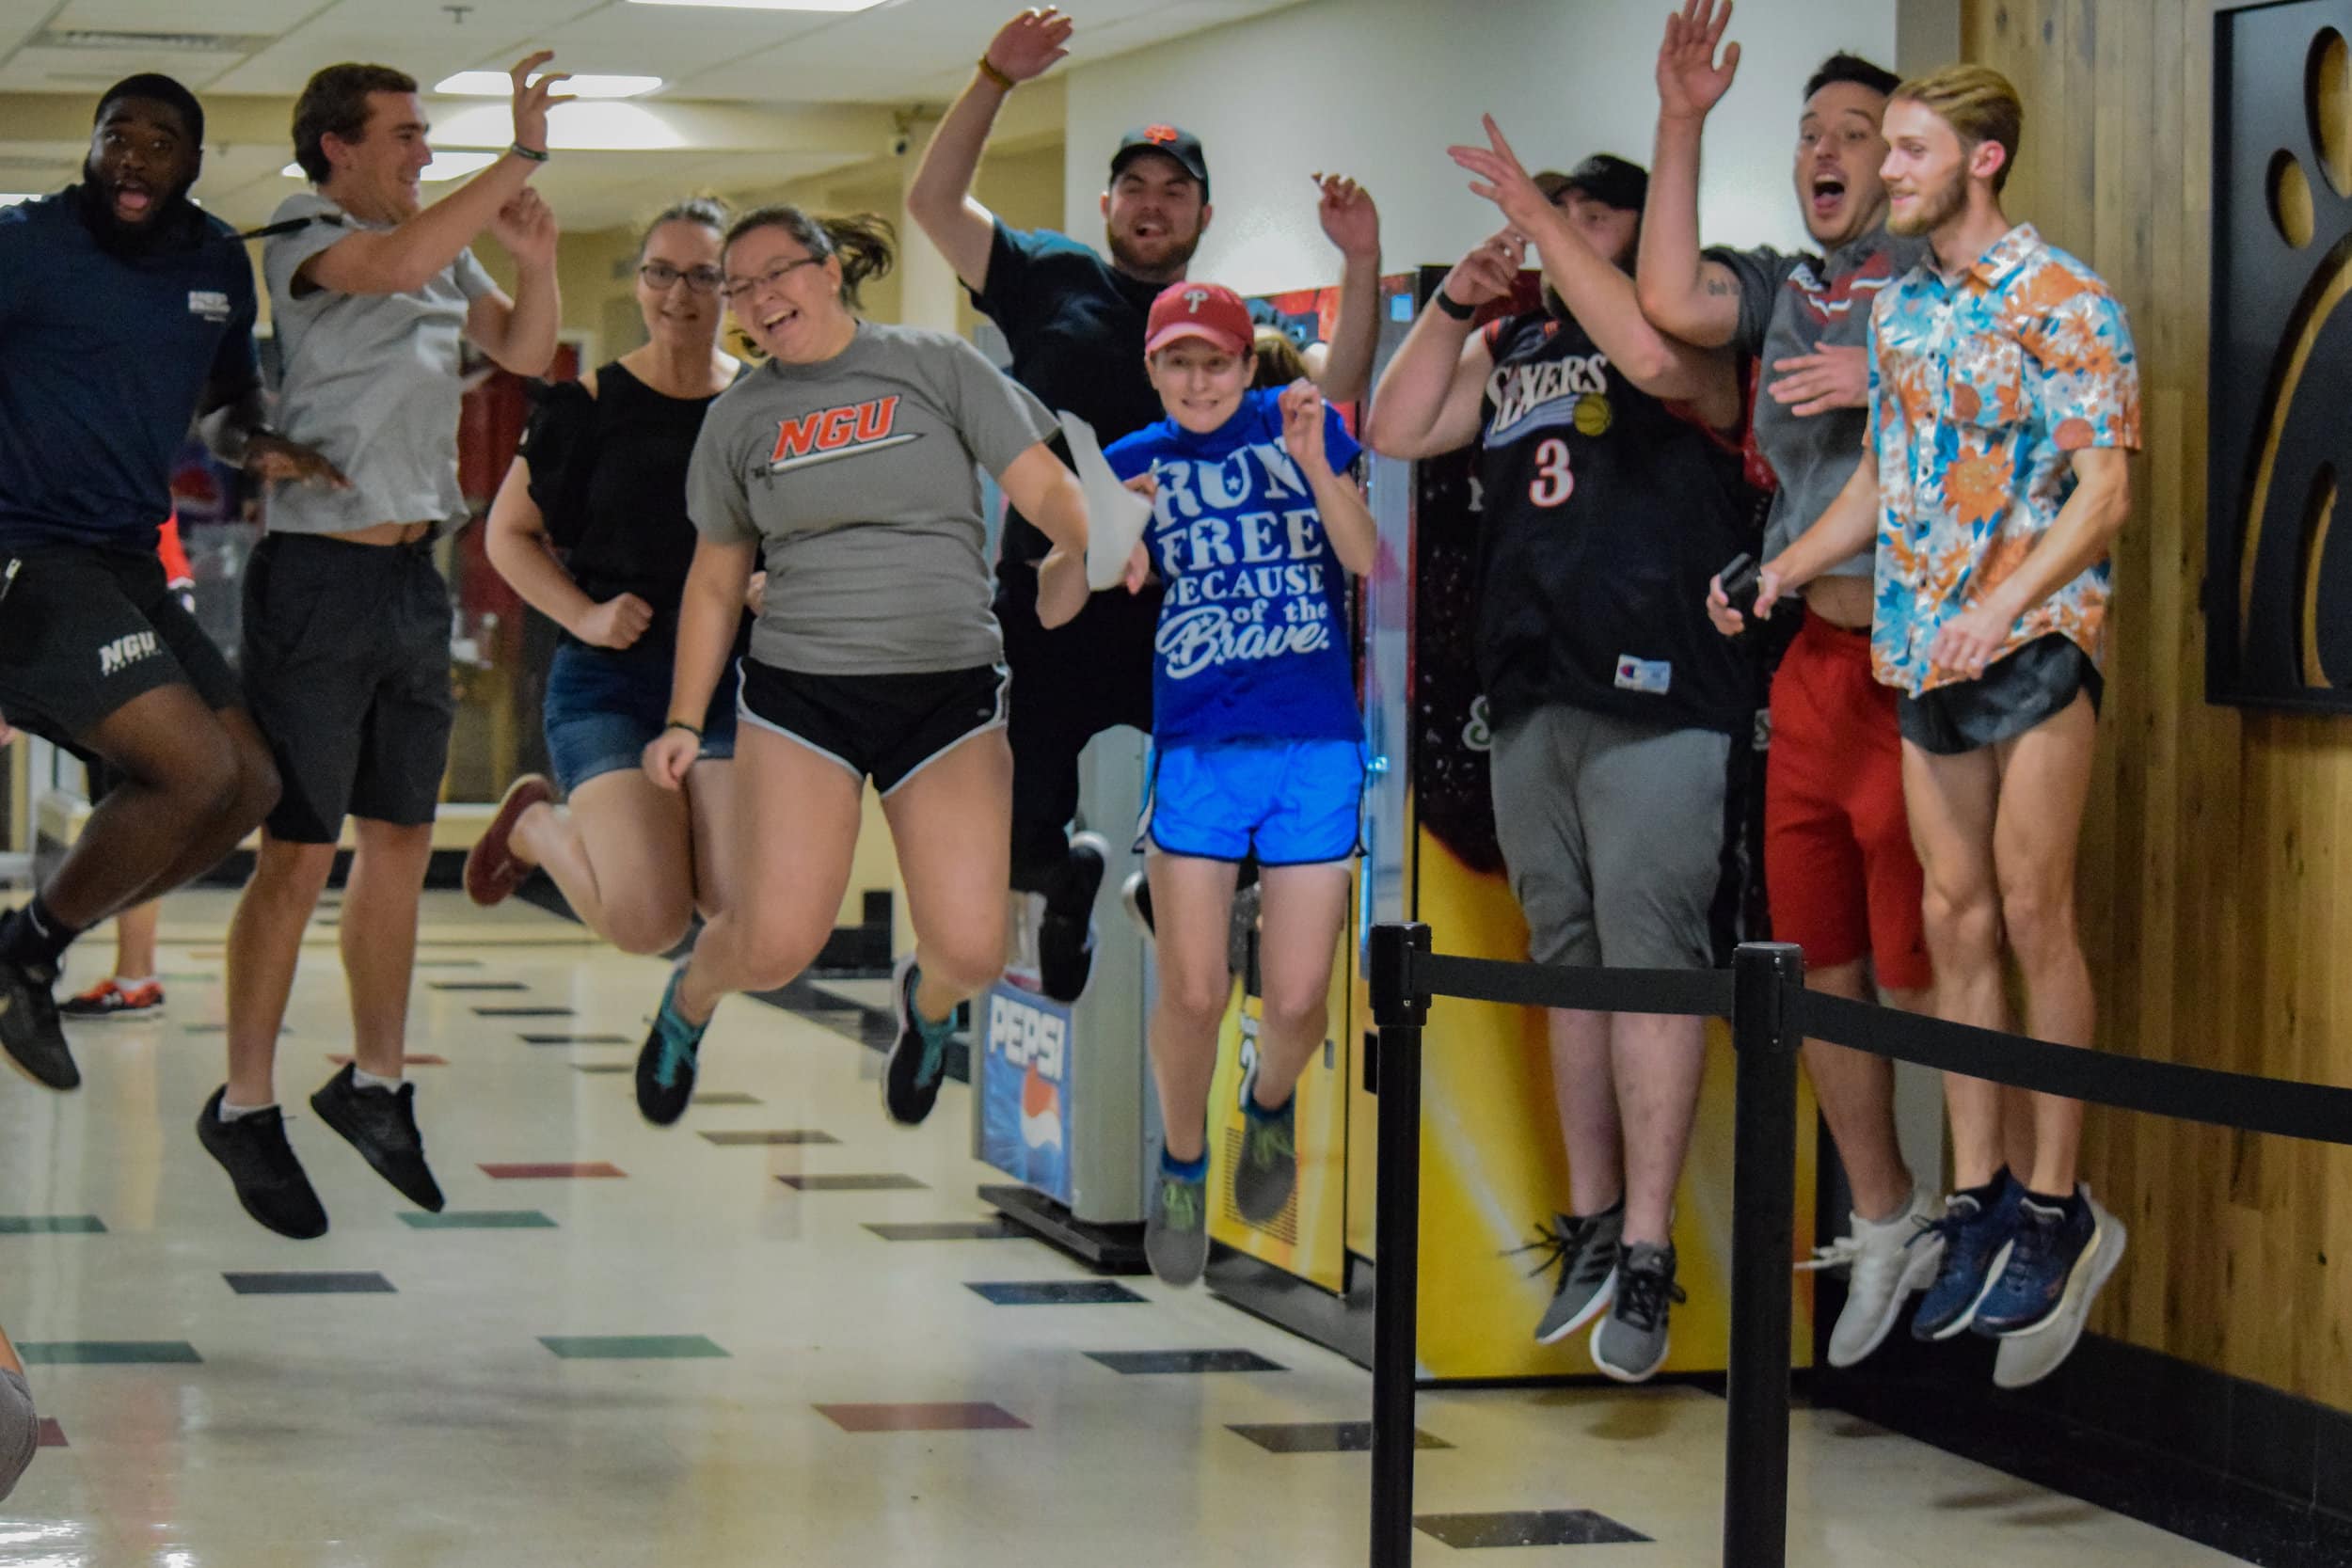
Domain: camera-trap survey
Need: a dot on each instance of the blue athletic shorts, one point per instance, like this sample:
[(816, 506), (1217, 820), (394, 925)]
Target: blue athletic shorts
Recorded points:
[(603, 708), (1293, 802)]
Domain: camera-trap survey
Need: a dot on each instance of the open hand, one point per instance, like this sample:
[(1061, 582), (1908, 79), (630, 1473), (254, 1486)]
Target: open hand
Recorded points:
[(1302, 403), (533, 98), (1504, 181), (1029, 45), (526, 227), (1350, 221), (1826, 379), (1690, 79), (273, 457)]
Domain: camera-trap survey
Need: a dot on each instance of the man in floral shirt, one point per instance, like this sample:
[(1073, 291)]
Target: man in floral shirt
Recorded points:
[(2005, 399)]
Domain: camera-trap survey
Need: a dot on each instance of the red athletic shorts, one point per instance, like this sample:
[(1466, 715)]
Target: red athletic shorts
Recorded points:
[(1838, 865)]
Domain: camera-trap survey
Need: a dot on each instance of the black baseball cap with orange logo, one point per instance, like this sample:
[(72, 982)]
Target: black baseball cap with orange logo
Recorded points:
[(1168, 141)]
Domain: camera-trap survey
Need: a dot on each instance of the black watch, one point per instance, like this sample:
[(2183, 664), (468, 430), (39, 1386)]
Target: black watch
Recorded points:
[(1452, 305)]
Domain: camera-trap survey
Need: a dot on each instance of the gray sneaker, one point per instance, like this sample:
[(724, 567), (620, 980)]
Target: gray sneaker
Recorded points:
[(1176, 1232), (1268, 1170), (1630, 1343), (1585, 1251)]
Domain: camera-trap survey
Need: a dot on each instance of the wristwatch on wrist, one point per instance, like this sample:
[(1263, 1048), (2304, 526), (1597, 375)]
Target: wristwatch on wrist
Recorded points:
[(1452, 305)]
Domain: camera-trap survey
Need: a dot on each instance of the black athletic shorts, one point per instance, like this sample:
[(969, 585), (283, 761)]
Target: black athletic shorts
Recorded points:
[(347, 669), (84, 632), (887, 728), (2036, 683)]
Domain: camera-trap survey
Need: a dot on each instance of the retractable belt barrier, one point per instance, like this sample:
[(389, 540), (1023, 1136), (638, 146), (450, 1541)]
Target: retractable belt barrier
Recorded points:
[(1763, 995)]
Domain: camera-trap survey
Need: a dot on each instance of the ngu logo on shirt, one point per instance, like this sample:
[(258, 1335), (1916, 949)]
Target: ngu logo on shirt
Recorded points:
[(1240, 547)]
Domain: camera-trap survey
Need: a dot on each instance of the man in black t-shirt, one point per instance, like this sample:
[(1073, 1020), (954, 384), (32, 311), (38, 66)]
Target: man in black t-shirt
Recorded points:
[(1076, 323), (1610, 484)]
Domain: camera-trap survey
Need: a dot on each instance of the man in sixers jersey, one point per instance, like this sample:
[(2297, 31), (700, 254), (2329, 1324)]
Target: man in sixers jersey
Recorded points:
[(1838, 864), (1075, 325), (124, 311), (1618, 714)]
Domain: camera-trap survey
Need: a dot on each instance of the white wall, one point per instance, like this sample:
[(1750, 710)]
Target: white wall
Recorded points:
[(1378, 89)]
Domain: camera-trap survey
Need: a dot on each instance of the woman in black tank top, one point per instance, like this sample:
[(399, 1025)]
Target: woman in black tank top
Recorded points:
[(590, 528)]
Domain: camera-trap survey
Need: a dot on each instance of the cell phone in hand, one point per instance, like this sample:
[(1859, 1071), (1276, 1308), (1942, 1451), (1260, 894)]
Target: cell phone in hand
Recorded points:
[(1740, 581)]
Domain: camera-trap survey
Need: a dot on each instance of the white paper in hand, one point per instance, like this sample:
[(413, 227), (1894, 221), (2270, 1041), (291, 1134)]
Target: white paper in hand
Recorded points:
[(1116, 516)]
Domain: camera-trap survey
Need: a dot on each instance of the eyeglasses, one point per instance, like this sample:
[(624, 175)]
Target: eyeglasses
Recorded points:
[(661, 274), (744, 288)]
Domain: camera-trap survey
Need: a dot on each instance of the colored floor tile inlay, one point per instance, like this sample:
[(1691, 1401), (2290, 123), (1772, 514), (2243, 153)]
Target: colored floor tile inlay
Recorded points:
[(1055, 1293), (1180, 1363), (782, 1136), (426, 1060), (477, 1219), (52, 1434), (553, 1170), (717, 1097), (1323, 1437), (109, 1353), (950, 1230), (52, 1225), (1549, 1526), (577, 1039), (309, 1284), (633, 1347), (922, 1418), (853, 1183)]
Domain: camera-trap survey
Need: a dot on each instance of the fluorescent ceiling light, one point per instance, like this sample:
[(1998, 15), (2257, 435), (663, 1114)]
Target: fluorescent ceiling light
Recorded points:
[(497, 84), (445, 165), (769, 5), (600, 127)]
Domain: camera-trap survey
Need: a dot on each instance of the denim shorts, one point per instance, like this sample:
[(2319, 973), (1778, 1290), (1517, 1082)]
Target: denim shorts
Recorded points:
[(603, 708), (1290, 802)]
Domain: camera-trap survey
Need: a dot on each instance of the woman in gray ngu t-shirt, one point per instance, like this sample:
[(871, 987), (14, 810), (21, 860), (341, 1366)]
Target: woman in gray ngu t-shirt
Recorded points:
[(20, 1429), (846, 464)]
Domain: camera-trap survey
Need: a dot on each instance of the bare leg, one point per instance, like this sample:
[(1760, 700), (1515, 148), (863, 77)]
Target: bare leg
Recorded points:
[(1192, 910), (1951, 802), (1659, 1064), (622, 852), (795, 833), (379, 939), (1585, 1088), (710, 798), (135, 941), (264, 946), (2045, 779), (952, 826), (1305, 908), (1856, 1091)]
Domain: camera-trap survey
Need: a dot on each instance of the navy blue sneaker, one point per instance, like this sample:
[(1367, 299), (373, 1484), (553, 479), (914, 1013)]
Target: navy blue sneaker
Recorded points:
[(2062, 1255), (666, 1067), (1976, 1250)]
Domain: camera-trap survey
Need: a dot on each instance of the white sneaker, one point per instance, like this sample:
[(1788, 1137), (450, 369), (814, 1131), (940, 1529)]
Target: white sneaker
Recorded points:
[(2024, 1359), (1021, 965), (1886, 1263)]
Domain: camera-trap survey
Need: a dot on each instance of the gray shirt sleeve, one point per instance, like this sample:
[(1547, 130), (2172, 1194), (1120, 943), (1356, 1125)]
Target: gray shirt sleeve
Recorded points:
[(473, 279), (1761, 274), (998, 417), (20, 1429), (283, 254), (715, 496)]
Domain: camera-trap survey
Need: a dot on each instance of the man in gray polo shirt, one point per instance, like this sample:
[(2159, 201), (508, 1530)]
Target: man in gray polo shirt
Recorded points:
[(346, 617)]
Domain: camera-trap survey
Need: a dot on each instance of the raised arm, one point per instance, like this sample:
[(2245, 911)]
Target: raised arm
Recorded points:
[(520, 333), (1682, 292), (939, 198), (1351, 222), (1429, 396), (1338, 499), (404, 258), (1598, 293)]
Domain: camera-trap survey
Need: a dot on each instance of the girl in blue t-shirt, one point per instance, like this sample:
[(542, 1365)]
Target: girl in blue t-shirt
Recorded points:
[(1257, 745)]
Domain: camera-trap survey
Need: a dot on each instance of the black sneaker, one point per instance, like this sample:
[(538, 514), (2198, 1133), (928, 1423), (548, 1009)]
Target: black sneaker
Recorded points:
[(381, 1124), (918, 1064), (1065, 936), (29, 1027), (670, 1058), (270, 1183)]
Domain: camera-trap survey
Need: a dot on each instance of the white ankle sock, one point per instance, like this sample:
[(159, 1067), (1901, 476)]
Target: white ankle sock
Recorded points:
[(362, 1079), (126, 983), (231, 1113)]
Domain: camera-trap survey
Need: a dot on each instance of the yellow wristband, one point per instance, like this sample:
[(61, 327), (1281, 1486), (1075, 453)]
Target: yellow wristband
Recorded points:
[(989, 68)]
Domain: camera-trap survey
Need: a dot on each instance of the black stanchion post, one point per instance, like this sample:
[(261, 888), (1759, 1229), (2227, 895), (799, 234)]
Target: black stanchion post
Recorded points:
[(1765, 976), (1399, 1007)]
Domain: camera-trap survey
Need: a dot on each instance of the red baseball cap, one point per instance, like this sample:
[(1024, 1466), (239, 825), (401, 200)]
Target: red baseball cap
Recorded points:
[(1208, 311)]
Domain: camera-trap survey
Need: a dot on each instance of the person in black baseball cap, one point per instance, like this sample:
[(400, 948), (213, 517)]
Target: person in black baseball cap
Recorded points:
[(1076, 326), (1606, 178)]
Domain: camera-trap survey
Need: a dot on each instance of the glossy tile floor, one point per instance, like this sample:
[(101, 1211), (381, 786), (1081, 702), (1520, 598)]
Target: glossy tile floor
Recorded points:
[(625, 1345)]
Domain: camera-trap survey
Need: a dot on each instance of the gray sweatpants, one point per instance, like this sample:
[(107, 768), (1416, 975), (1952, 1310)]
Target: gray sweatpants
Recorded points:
[(1613, 831)]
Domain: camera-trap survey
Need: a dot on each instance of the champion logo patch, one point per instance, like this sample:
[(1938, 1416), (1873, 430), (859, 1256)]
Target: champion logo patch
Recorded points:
[(844, 431), (211, 304)]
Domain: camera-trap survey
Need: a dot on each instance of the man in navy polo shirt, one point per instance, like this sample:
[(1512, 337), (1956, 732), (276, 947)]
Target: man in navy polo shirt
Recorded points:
[(124, 312), (1076, 326)]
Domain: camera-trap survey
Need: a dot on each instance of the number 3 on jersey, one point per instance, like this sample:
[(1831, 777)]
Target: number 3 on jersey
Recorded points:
[(1553, 483)]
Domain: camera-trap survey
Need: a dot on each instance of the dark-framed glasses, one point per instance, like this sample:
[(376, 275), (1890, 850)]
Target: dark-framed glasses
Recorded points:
[(744, 288), (661, 274)]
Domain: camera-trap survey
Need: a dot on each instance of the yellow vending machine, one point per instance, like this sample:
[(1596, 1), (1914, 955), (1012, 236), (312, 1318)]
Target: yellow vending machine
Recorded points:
[(1493, 1171)]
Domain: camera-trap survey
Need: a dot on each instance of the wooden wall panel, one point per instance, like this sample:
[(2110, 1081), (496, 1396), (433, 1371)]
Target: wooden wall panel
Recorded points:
[(2216, 853)]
